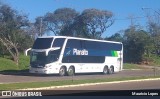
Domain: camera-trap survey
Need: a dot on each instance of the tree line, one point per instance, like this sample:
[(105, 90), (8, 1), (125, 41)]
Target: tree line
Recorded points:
[(17, 33), (140, 46), (91, 23)]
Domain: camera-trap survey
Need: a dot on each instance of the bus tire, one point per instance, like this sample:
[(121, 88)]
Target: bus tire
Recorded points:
[(71, 71), (111, 70), (62, 71), (105, 70)]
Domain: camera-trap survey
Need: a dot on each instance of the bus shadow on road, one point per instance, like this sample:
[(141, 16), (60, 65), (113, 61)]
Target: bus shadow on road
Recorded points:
[(26, 73)]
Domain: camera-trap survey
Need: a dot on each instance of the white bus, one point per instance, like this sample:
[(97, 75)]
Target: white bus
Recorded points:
[(69, 55)]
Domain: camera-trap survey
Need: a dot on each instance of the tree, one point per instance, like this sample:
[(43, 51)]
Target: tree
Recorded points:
[(136, 42), (154, 30), (31, 30), (79, 28), (39, 26), (25, 42), (116, 37), (60, 21), (97, 21), (11, 29)]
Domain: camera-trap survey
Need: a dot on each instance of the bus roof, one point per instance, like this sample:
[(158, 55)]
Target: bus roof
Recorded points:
[(68, 37)]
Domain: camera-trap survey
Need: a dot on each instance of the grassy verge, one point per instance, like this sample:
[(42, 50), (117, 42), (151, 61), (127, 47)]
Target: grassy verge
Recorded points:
[(155, 61), (132, 66), (65, 82), (7, 65)]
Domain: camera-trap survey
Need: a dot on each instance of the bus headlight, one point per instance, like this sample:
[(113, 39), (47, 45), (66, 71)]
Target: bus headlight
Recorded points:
[(47, 66)]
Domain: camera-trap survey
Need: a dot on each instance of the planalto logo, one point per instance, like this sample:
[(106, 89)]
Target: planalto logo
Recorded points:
[(80, 52), (69, 52)]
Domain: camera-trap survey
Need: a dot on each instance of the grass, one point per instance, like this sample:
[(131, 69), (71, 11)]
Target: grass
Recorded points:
[(155, 61), (9, 65), (131, 66), (14, 86), (6, 64), (24, 62), (152, 61)]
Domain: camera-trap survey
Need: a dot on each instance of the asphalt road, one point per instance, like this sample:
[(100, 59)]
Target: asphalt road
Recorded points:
[(136, 88), (115, 89), (26, 77), (136, 85)]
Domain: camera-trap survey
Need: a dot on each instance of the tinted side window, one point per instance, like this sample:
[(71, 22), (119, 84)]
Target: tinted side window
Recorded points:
[(83, 59), (113, 46), (58, 42), (103, 45), (73, 43), (92, 59), (93, 45), (71, 59)]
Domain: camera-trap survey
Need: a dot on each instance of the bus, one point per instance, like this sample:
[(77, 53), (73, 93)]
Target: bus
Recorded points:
[(65, 55)]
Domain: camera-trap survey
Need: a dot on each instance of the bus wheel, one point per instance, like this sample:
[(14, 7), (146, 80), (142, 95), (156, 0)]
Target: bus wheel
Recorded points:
[(62, 71), (111, 70), (105, 70), (71, 71)]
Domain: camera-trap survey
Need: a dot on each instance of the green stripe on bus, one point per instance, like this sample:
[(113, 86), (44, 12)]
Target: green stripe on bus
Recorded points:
[(114, 53)]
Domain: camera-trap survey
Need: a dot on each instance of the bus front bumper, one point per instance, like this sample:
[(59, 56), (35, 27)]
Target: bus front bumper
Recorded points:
[(41, 71)]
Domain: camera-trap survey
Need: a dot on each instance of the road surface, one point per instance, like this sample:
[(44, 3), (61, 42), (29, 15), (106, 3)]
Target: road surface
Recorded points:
[(135, 85), (119, 89), (26, 77)]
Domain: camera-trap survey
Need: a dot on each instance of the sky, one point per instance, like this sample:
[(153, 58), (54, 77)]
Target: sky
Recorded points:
[(121, 9)]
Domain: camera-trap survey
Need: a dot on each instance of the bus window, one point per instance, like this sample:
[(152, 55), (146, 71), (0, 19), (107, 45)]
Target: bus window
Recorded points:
[(92, 59), (58, 42), (72, 43), (103, 45), (71, 59)]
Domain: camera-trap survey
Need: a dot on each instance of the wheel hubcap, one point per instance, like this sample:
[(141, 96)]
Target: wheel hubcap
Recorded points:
[(105, 70), (62, 71)]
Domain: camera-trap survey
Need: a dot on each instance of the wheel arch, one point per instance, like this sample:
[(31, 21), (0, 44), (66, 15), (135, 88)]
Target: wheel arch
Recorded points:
[(64, 67), (72, 66)]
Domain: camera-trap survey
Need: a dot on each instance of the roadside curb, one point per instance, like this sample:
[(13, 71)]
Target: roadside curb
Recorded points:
[(89, 84)]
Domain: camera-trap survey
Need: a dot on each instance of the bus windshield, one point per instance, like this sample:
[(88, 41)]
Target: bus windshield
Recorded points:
[(42, 43), (39, 59)]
